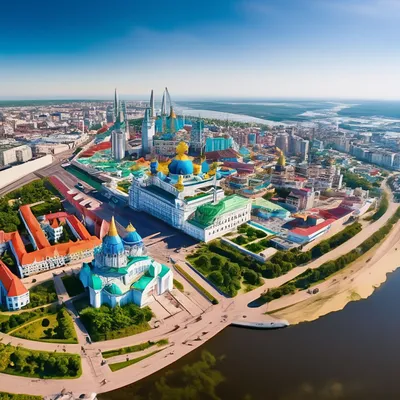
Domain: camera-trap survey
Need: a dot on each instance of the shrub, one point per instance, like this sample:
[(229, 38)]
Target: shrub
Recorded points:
[(45, 322)]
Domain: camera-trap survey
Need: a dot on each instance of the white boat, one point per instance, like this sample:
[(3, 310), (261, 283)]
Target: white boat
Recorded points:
[(280, 323)]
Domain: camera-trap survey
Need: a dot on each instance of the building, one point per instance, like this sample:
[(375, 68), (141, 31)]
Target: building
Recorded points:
[(12, 152), (197, 140), (305, 235), (13, 294), (301, 199), (148, 131), (188, 197), (45, 255), (218, 143), (121, 272), (118, 142), (282, 142)]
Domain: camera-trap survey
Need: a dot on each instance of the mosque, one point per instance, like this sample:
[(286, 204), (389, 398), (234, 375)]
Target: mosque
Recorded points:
[(122, 272), (187, 195)]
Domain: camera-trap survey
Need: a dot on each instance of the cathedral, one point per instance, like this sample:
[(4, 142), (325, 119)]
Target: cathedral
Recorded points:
[(122, 272)]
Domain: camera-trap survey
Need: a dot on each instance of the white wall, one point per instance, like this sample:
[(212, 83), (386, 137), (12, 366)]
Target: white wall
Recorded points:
[(12, 174)]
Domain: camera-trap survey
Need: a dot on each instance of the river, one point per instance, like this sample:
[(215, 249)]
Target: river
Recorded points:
[(351, 354)]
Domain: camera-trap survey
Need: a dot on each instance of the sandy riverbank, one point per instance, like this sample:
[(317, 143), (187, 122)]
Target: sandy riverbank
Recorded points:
[(357, 281)]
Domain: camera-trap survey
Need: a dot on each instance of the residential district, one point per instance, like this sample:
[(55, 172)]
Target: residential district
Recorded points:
[(127, 227)]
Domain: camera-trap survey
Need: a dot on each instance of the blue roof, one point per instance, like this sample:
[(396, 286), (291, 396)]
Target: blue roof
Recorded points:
[(112, 245), (181, 167), (132, 238)]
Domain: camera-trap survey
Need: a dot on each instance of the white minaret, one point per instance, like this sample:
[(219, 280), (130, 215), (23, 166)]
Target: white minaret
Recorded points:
[(148, 131)]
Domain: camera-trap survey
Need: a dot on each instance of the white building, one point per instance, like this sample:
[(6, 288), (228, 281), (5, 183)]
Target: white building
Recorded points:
[(122, 273), (188, 197), (13, 294), (13, 152)]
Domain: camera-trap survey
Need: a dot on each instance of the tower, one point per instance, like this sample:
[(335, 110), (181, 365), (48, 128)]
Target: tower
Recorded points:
[(148, 131), (116, 103), (118, 140), (152, 108)]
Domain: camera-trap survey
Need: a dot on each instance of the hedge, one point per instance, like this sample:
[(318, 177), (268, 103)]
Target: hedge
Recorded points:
[(199, 288)]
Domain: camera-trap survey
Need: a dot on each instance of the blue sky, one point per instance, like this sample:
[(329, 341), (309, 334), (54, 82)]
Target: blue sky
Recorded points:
[(200, 49)]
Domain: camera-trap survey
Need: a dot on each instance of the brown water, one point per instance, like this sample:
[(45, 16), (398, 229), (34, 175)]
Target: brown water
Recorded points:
[(351, 354)]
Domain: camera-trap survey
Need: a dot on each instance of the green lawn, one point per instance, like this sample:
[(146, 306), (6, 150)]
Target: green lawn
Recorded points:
[(133, 349), (35, 331), (73, 285), (178, 285), (117, 366), (14, 396)]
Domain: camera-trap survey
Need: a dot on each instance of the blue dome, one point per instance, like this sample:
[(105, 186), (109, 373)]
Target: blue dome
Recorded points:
[(132, 238), (181, 167), (112, 245)]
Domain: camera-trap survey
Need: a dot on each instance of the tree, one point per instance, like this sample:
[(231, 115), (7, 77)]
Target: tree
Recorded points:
[(251, 277), (45, 322), (48, 332), (216, 277)]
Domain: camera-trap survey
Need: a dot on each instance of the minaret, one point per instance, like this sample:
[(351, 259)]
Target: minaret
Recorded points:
[(164, 112), (152, 108), (118, 140), (148, 131), (172, 121)]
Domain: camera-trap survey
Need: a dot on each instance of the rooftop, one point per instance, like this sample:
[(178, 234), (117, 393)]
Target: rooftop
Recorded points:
[(11, 283)]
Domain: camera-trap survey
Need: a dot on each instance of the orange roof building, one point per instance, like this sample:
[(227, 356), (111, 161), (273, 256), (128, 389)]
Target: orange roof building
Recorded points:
[(13, 293), (47, 256)]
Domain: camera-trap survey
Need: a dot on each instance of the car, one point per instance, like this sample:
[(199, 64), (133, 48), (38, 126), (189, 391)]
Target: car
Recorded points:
[(80, 186)]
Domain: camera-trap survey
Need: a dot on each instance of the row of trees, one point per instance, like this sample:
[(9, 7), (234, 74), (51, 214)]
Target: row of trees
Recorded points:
[(64, 329), (312, 276), (283, 261), (210, 260), (21, 361), (100, 321), (226, 266), (383, 206)]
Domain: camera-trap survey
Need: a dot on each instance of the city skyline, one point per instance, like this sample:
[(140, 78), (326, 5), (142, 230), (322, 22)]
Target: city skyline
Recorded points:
[(233, 49)]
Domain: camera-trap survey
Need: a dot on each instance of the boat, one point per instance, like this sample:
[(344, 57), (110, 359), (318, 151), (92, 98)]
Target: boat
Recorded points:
[(280, 323)]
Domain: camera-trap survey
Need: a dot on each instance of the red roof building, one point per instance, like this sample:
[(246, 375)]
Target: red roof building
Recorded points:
[(13, 293)]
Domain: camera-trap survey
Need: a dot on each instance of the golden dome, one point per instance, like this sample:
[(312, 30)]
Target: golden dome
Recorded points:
[(130, 228), (181, 151)]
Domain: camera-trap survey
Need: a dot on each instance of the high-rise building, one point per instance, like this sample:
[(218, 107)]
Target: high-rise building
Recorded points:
[(197, 141), (282, 142)]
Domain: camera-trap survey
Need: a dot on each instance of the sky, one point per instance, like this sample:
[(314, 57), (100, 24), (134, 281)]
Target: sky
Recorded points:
[(200, 49)]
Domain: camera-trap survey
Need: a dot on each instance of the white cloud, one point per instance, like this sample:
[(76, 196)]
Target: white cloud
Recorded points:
[(364, 8)]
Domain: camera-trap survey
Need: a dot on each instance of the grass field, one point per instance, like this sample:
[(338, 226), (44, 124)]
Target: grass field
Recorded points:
[(178, 285), (35, 331), (124, 364), (14, 396), (73, 285), (135, 348)]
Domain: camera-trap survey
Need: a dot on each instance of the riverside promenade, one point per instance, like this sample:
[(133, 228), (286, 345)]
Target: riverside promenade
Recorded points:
[(184, 332)]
